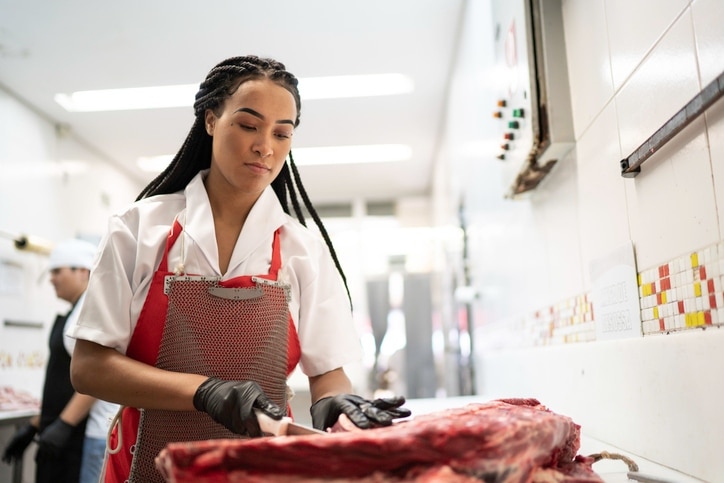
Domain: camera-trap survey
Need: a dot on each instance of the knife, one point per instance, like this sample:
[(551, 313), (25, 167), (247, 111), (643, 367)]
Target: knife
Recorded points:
[(635, 475), (283, 427)]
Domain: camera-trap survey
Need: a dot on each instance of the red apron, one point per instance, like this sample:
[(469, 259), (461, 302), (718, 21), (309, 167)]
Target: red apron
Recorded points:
[(237, 329)]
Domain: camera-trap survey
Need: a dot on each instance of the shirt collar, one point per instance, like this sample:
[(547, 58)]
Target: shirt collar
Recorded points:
[(264, 218)]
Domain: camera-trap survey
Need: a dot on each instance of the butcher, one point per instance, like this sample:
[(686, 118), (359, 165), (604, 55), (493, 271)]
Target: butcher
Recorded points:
[(206, 293)]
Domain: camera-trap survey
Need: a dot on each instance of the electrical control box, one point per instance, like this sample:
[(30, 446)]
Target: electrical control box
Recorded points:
[(533, 106)]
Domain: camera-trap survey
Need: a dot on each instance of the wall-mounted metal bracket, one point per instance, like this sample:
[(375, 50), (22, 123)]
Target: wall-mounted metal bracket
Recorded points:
[(631, 166)]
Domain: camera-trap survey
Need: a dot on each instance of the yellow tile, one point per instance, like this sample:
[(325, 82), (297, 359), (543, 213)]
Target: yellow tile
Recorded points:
[(697, 289), (663, 297), (646, 289), (700, 320), (694, 260), (638, 278), (656, 312)]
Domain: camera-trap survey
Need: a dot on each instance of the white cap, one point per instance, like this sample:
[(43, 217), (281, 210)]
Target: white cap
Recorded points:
[(73, 253)]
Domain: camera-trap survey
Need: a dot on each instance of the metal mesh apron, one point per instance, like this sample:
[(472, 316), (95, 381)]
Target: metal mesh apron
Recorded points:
[(230, 333)]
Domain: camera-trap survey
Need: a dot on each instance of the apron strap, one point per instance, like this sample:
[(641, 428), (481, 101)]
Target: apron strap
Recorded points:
[(276, 261), (172, 236)]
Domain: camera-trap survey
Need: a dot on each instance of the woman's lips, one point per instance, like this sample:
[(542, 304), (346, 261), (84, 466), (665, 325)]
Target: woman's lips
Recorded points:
[(258, 168)]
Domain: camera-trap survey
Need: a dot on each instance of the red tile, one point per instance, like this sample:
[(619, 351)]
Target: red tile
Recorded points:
[(662, 326), (662, 271), (681, 306), (666, 283), (712, 301), (710, 285), (707, 317)]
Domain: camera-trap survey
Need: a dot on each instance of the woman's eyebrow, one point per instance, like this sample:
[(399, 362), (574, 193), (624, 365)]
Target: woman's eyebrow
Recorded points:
[(261, 116)]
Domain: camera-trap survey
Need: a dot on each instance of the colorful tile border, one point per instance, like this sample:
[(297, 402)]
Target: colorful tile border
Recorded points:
[(570, 320), (687, 293)]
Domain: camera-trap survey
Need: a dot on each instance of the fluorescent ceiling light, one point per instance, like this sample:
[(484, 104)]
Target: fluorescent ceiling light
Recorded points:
[(355, 86), (128, 99), (183, 95), (371, 153)]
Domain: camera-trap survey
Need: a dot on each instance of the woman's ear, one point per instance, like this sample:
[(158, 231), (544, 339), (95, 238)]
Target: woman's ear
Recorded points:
[(210, 122)]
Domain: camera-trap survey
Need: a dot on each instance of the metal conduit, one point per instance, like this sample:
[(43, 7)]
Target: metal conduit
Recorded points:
[(631, 166)]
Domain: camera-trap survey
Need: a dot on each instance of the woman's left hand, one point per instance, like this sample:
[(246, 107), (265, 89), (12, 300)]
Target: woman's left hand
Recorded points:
[(362, 412)]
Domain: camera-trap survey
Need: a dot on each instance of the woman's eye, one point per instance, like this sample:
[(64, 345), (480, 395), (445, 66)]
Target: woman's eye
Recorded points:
[(247, 127), (283, 135)]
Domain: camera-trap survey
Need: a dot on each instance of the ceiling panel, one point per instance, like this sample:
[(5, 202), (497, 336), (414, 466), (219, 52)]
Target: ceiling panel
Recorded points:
[(55, 46)]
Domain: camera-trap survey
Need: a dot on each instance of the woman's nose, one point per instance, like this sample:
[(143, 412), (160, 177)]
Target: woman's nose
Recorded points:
[(262, 146)]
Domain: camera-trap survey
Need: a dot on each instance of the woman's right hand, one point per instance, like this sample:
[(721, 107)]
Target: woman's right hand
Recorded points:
[(232, 404)]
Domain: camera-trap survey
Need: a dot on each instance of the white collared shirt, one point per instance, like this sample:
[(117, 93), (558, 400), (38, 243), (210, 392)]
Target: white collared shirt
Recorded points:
[(133, 246)]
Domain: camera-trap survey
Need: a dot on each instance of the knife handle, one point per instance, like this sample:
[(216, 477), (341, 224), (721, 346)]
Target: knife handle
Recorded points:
[(270, 426)]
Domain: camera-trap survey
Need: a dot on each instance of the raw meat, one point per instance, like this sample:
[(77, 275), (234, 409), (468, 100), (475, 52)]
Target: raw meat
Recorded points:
[(517, 440), (12, 399)]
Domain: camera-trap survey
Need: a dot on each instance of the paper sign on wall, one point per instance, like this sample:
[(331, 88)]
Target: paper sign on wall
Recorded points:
[(615, 295)]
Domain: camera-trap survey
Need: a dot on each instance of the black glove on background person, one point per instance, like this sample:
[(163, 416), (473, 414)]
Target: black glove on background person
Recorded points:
[(232, 403), (53, 439), (363, 413), (21, 440)]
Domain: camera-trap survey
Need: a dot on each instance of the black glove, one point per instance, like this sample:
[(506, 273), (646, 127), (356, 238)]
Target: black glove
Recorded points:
[(363, 413), (232, 404), (21, 439), (53, 439)]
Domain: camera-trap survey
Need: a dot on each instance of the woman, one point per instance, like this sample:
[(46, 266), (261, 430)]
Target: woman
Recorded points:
[(206, 294)]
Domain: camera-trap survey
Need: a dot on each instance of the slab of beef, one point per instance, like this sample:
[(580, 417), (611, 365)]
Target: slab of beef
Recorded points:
[(515, 440)]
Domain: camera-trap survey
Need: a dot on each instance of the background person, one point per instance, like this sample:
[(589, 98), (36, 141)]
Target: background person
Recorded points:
[(207, 293), (60, 427), (94, 445)]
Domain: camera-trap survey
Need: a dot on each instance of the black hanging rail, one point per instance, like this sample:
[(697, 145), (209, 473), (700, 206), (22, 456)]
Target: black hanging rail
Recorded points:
[(631, 166)]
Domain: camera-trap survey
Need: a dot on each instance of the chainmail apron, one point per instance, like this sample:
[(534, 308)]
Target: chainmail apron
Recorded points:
[(221, 329)]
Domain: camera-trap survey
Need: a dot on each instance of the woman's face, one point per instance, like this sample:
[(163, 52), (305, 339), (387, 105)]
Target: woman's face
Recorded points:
[(251, 137)]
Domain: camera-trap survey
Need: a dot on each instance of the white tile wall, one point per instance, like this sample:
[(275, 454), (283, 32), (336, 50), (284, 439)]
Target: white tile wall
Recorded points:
[(707, 17), (655, 57), (671, 201), (633, 29), (601, 196), (589, 60), (558, 222), (715, 125), (661, 85)]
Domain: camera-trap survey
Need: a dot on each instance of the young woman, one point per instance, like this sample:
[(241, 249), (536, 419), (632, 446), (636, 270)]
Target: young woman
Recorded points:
[(206, 294)]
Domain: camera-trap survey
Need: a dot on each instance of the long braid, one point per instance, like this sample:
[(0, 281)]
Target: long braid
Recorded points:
[(178, 173), (195, 153), (318, 221), (283, 186)]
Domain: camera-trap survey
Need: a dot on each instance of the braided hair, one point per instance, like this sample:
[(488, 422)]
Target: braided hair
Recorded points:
[(195, 153)]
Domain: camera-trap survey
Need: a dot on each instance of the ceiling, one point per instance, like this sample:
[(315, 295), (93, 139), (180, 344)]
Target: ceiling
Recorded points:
[(63, 46)]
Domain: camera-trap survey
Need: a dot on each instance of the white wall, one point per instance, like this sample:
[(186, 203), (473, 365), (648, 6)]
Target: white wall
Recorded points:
[(51, 187), (632, 65)]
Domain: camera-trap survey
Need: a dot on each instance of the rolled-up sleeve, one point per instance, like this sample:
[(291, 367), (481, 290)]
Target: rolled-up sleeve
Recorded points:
[(105, 316)]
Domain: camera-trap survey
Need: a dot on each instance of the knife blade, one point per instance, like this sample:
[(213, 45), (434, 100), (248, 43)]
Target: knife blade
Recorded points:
[(283, 427)]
